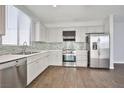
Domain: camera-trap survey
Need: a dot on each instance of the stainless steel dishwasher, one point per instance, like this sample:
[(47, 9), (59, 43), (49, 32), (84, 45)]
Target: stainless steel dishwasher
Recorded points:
[(13, 74)]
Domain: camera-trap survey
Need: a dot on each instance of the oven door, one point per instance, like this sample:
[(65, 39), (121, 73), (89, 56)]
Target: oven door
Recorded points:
[(69, 58)]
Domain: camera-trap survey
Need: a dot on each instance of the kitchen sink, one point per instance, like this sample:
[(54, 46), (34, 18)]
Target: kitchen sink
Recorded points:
[(24, 53)]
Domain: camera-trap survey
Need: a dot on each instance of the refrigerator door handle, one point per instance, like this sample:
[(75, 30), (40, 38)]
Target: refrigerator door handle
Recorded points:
[(98, 52), (98, 43)]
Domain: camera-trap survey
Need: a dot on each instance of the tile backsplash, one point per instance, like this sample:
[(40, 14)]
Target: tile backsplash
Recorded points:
[(59, 45), (38, 46), (74, 45), (6, 49)]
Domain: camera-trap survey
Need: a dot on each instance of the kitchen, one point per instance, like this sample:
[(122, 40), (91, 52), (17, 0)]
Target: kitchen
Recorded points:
[(40, 43)]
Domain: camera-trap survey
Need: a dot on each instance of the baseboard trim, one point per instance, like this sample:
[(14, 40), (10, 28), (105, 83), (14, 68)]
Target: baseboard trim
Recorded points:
[(119, 62)]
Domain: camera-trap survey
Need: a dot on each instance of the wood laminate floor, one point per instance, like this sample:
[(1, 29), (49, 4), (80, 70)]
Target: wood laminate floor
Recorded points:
[(64, 77)]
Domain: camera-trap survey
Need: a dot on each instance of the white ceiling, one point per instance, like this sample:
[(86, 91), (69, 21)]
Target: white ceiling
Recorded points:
[(74, 13)]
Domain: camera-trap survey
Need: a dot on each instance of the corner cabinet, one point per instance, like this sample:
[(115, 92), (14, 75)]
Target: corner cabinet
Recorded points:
[(2, 19)]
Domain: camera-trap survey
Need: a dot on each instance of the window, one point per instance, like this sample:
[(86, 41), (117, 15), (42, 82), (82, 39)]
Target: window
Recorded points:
[(11, 26), (17, 27), (24, 28)]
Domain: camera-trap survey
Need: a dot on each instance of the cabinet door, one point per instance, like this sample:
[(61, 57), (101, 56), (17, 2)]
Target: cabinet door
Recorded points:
[(79, 63), (46, 61), (37, 31), (39, 67), (81, 58), (59, 36), (31, 72), (43, 34), (54, 35), (58, 58), (50, 36), (51, 58), (55, 58), (80, 35), (2, 19), (41, 63), (40, 32), (95, 29)]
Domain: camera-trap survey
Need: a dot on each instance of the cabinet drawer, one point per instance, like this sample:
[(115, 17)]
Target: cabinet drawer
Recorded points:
[(33, 58), (81, 63), (81, 59), (36, 57), (83, 54)]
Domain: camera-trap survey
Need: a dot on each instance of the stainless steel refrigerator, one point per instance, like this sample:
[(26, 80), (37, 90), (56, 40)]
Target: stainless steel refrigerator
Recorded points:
[(99, 56)]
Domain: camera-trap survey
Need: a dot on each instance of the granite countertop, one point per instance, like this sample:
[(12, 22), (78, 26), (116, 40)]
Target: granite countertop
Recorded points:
[(10, 57)]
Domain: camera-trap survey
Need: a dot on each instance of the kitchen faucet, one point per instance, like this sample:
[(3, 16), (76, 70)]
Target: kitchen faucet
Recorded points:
[(24, 47)]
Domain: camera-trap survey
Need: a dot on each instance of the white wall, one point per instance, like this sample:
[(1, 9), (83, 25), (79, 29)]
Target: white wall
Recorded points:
[(109, 28), (106, 24), (119, 42)]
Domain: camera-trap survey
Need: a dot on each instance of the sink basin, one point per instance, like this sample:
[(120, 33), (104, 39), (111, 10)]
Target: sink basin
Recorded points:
[(25, 53)]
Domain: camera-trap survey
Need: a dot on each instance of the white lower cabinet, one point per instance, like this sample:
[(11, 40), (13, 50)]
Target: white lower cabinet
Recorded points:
[(81, 58), (31, 73), (38, 64), (55, 58)]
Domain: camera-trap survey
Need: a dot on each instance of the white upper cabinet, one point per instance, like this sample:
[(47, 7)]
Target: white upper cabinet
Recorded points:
[(54, 35), (80, 34), (95, 29), (2, 20), (39, 32), (43, 34)]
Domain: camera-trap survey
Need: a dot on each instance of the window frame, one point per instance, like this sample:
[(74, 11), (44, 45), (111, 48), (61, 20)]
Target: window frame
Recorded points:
[(18, 30)]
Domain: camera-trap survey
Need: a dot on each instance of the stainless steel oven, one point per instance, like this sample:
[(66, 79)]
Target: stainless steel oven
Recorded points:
[(69, 57)]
